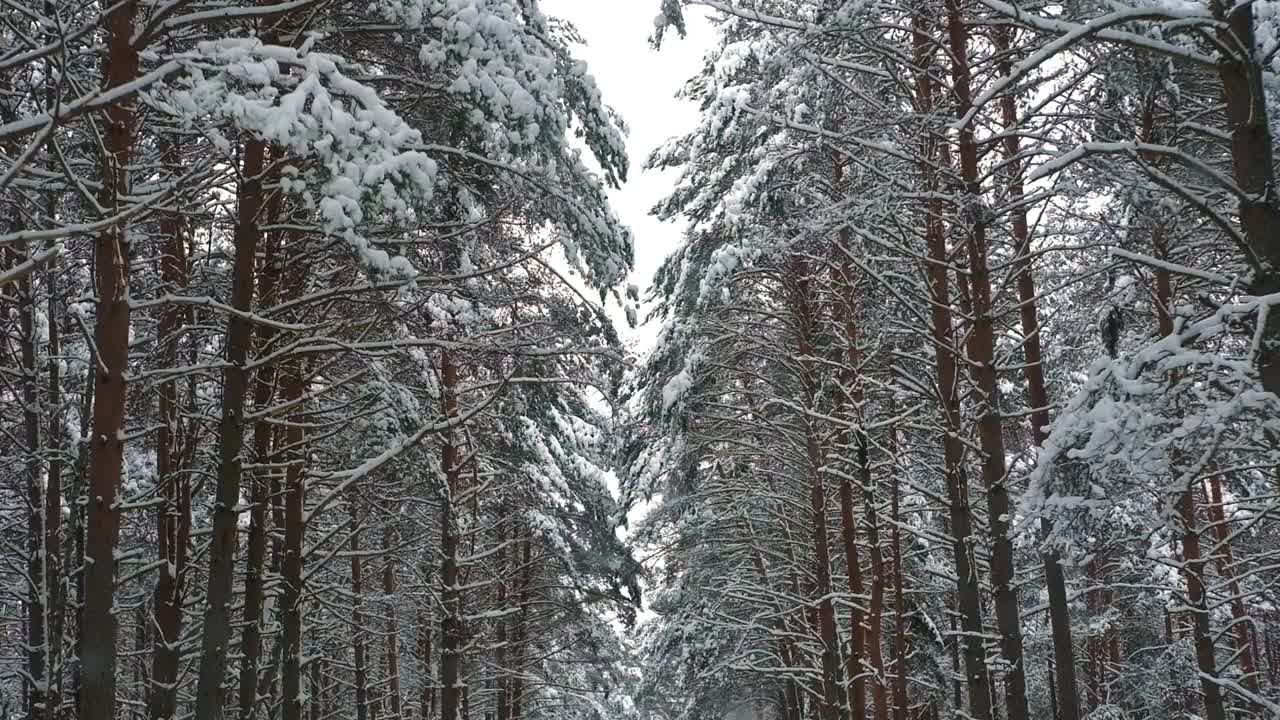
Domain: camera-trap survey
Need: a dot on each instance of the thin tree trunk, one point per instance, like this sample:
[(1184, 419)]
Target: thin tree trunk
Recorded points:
[(293, 385), (270, 681), (981, 349), (1037, 393), (428, 697), (111, 337), (504, 672), (55, 590), (803, 312), (76, 558), (1241, 624), (520, 651), (317, 698), (451, 619), (846, 314), (357, 616), (786, 653), (173, 520), (222, 551), (1193, 575), (900, 706), (38, 581), (977, 679), (875, 616), (263, 392), (393, 633), (1192, 563)]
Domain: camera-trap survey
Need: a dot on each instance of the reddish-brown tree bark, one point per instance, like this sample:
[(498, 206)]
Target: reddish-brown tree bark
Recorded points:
[(222, 550), (263, 392), (1068, 701), (977, 679), (1241, 624), (981, 352), (174, 517), (804, 318), (111, 338)]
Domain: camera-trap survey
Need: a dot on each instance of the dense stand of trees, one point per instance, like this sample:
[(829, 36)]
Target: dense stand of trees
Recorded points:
[(964, 401), (302, 414)]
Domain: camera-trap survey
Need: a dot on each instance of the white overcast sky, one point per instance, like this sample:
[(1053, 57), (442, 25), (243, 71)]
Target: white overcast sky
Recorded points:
[(640, 83)]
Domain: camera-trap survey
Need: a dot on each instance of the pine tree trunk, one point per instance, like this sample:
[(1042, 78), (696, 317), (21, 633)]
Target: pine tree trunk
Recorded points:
[(1068, 701), (111, 337), (1241, 623), (900, 702), (270, 679), (222, 551), (293, 385), (504, 671), (263, 393), (173, 520), (845, 311), (55, 590), (1251, 153), (76, 558), (981, 350), (38, 582), (1192, 563), (451, 619), (393, 633), (977, 679), (427, 700), (803, 313), (875, 616), (357, 616), (520, 651), (317, 697), (1193, 575)]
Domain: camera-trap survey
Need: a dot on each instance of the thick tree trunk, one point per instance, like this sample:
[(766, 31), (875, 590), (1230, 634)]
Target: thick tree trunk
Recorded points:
[(981, 350), (1068, 701), (1248, 121), (111, 337), (222, 550)]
